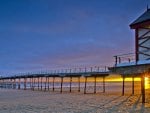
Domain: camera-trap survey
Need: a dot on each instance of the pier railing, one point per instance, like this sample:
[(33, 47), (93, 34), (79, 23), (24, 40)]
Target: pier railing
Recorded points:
[(79, 70), (124, 58)]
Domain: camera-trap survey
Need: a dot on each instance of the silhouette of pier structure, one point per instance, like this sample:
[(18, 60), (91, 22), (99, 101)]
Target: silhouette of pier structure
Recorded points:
[(41, 80)]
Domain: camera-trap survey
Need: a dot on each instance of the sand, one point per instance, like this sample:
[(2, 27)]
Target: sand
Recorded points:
[(27, 101)]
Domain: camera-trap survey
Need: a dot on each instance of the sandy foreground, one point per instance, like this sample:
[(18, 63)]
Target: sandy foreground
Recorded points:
[(27, 101)]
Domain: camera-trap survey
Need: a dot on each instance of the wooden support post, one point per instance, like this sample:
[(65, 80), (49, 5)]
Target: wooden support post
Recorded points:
[(31, 83), (61, 84), (143, 88), (3, 83), (103, 84), (95, 84), (85, 85), (53, 83), (38, 83), (14, 84), (70, 83), (132, 85), (123, 79), (45, 83), (116, 60), (41, 83), (34, 83), (78, 84), (24, 83), (11, 82), (48, 83), (19, 83)]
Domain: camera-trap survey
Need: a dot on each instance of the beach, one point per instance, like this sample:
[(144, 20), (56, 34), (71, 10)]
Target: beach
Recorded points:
[(28, 101)]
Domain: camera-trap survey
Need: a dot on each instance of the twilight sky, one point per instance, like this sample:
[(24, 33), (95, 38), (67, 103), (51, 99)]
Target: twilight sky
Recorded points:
[(47, 34)]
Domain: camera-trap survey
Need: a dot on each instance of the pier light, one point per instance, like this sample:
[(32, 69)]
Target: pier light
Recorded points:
[(147, 83)]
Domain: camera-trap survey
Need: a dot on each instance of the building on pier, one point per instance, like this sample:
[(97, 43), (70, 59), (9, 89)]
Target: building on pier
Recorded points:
[(136, 64)]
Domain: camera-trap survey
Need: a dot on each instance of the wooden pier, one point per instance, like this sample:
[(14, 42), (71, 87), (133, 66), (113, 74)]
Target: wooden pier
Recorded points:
[(44, 81)]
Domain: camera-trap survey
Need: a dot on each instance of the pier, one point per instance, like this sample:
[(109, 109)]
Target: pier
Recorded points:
[(45, 80)]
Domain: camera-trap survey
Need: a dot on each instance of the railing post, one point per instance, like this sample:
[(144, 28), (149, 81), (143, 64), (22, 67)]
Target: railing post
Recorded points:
[(116, 60), (98, 68), (85, 69), (119, 60), (129, 60), (91, 69), (105, 68)]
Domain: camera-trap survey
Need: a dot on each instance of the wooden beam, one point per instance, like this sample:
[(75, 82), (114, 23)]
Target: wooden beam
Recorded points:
[(41, 83), (14, 84), (48, 83), (123, 79), (95, 84), (53, 83), (132, 85), (70, 83), (143, 88), (144, 34), (45, 83), (19, 83), (78, 84), (103, 84), (85, 85), (34, 83), (24, 83), (61, 85), (31, 83), (136, 44), (38, 82)]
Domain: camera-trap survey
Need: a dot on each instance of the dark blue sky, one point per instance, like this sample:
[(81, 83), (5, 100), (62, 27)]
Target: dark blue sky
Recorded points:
[(46, 34)]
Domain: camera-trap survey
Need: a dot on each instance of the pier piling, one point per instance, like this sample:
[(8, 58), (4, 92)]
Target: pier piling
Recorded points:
[(123, 79), (70, 83), (132, 85), (103, 84), (95, 84), (85, 85), (53, 84), (61, 84)]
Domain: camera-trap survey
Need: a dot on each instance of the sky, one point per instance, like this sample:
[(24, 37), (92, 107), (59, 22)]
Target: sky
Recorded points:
[(51, 34)]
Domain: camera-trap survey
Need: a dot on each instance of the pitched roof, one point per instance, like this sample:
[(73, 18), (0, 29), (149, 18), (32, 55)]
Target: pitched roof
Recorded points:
[(143, 18)]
